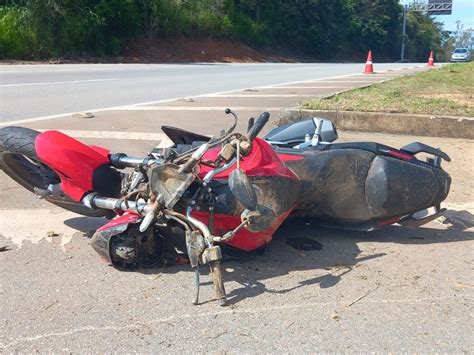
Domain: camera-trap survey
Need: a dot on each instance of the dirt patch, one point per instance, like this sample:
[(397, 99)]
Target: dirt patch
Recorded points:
[(460, 98), (182, 50), (199, 50)]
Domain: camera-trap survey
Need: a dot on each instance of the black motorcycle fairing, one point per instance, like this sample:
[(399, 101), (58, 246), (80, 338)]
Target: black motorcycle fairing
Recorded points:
[(181, 136), (333, 185), (395, 187), (417, 147), (292, 132), (348, 184), (278, 193)]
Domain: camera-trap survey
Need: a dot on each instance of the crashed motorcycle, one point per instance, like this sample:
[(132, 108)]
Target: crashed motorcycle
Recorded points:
[(205, 197)]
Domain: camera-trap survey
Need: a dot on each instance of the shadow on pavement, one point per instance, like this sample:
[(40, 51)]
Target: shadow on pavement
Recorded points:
[(339, 253)]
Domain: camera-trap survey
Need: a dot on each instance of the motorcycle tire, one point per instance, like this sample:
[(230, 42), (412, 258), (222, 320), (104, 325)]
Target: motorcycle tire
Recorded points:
[(18, 159)]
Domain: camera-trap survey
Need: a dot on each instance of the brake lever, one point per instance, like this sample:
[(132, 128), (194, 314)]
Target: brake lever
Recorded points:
[(231, 129)]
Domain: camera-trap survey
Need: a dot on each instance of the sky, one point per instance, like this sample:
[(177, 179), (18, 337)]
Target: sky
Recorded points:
[(462, 10)]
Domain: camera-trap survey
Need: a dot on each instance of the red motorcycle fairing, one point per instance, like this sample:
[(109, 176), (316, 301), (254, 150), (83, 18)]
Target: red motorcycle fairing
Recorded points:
[(73, 161), (244, 239), (262, 161), (125, 219), (100, 241), (278, 186)]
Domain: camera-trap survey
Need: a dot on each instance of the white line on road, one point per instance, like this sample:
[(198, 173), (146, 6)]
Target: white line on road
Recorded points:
[(57, 82), (145, 136), (195, 108), (310, 87), (259, 95), (332, 82)]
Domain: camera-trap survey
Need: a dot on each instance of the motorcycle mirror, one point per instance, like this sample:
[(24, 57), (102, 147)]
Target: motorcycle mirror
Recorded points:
[(242, 189)]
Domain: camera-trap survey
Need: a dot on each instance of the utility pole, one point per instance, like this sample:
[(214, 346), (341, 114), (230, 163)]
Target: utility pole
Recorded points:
[(404, 29)]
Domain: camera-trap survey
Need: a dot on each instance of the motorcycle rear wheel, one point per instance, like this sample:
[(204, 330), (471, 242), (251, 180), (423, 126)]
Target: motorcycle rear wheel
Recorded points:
[(18, 159)]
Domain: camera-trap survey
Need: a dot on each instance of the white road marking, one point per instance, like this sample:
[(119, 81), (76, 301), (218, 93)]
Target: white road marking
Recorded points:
[(35, 225), (57, 82), (261, 95), (310, 87), (333, 82), (195, 108), (140, 136)]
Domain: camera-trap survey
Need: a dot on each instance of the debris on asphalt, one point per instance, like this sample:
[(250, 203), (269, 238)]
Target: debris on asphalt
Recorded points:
[(363, 296), (5, 248), (463, 285), (51, 234), (304, 244), (83, 115)]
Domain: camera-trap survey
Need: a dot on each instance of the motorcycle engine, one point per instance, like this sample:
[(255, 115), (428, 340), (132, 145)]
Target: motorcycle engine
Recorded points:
[(132, 249), (128, 249)]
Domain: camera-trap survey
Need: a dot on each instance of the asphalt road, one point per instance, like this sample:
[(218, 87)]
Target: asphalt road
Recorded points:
[(28, 91)]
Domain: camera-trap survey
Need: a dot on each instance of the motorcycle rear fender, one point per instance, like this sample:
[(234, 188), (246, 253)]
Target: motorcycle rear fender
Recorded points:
[(100, 241), (73, 161)]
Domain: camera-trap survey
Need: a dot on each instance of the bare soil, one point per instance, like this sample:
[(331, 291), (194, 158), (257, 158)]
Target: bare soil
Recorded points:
[(182, 50), (185, 49)]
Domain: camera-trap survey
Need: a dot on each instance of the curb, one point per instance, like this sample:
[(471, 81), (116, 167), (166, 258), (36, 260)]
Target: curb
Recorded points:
[(396, 123)]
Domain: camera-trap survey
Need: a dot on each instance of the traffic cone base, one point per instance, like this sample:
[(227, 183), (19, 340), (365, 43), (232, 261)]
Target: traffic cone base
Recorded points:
[(369, 65)]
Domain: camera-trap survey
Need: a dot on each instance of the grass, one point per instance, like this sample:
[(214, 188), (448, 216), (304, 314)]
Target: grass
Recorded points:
[(446, 91)]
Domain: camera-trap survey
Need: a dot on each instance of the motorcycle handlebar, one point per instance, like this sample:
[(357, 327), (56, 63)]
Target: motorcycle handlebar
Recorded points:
[(258, 125)]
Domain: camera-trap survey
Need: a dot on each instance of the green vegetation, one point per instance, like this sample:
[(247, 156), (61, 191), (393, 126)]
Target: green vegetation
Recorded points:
[(336, 29), (446, 91)]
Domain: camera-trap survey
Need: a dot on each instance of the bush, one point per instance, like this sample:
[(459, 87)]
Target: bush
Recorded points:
[(17, 39), (337, 28)]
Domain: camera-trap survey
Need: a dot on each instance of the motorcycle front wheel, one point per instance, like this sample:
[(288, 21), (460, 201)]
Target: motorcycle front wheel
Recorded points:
[(18, 159)]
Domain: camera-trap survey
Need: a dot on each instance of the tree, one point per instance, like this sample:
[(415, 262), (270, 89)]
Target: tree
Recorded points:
[(463, 37)]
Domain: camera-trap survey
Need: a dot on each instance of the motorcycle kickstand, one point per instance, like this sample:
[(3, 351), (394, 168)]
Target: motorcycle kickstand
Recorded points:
[(218, 280), (197, 284)]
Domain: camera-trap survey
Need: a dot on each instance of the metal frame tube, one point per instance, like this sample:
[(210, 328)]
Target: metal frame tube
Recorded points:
[(198, 224), (210, 175), (95, 201)]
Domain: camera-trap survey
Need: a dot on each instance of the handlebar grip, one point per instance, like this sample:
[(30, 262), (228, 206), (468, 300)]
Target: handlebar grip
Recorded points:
[(258, 125)]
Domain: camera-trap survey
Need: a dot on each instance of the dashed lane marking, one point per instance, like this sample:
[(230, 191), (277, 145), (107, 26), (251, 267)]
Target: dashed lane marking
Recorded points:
[(57, 82)]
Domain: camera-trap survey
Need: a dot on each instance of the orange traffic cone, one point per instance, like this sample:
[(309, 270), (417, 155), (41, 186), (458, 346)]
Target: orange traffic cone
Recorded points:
[(431, 60), (369, 66)]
